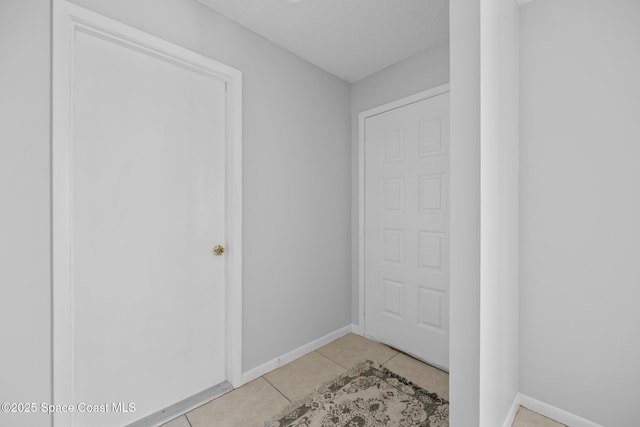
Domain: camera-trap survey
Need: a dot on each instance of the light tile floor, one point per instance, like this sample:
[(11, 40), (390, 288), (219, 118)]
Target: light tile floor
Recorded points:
[(258, 401), (528, 418)]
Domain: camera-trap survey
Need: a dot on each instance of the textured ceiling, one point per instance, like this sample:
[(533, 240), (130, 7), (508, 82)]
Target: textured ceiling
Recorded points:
[(348, 38)]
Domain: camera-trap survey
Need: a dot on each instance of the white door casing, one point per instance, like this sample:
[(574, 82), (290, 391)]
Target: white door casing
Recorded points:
[(146, 180), (404, 225)]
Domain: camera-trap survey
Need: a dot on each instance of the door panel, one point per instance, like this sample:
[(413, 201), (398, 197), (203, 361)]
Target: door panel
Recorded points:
[(147, 205), (407, 228)]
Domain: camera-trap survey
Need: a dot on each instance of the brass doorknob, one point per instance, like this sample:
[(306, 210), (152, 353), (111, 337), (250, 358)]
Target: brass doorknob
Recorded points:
[(218, 250)]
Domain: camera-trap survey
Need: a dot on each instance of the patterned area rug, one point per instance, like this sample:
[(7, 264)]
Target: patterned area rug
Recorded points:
[(367, 396)]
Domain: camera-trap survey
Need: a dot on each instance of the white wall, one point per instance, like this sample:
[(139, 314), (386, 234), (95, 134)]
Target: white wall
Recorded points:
[(499, 210), (419, 72), (464, 349), (580, 207), (25, 335), (296, 119), (484, 211)]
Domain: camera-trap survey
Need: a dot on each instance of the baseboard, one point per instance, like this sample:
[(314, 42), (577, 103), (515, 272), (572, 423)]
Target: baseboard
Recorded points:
[(553, 412), (269, 366), (357, 329), (511, 415), (182, 407)]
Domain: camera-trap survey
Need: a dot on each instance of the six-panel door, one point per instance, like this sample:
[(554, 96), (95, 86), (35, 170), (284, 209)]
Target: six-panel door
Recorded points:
[(407, 228)]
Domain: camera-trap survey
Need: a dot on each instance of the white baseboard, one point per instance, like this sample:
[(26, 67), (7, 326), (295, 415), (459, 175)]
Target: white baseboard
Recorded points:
[(549, 411), (511, 415), (269, 366), (357, 329)]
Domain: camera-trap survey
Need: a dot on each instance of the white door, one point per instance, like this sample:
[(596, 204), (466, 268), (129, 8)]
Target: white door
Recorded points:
[(147, 205), (407, 228)]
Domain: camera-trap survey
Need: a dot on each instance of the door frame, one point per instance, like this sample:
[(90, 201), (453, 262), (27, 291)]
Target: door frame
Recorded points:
[(67, 20), (362, 117)]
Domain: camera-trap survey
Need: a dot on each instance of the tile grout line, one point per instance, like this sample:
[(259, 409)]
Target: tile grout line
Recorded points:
[(276, 388), (349, 367), (331, 360), (334, 361), (389, 359)]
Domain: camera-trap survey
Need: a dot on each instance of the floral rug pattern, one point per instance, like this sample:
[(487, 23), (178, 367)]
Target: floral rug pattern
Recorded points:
[(367, 396)]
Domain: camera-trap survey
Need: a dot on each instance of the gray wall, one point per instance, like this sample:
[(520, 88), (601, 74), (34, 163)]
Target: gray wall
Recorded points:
[(422, 71), (297, 153), (580, 207), (25, 295)]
